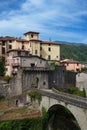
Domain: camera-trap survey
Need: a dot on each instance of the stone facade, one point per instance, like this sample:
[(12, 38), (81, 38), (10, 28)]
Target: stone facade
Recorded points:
[(33, 72), (4, 87), (59, 77)]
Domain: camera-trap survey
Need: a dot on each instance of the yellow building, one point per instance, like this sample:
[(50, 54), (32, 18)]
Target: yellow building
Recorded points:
[(45, 49), (8, 43)]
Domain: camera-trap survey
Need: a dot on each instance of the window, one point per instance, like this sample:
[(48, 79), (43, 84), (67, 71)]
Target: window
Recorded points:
[(49, 57), (10, 41), (41, 56), (22, 46), (32, 64), (10, 46), (31, 35), (3, 43), (3, 50), (40, 48), (49, 49), (77, 64), (49, 44), (35, 51), (19, 53), (44, 83)]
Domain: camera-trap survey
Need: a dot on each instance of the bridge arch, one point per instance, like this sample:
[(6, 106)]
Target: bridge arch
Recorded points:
[(61, 118), (80, 114)]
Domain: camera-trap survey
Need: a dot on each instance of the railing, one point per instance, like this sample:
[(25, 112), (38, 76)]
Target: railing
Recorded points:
[(67, 98)]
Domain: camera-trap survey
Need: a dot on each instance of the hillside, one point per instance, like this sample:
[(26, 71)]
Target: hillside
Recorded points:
[(74, 51)]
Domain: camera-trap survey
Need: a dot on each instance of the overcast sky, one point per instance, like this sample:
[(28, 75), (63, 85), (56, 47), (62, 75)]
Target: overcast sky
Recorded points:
[(64, 20)]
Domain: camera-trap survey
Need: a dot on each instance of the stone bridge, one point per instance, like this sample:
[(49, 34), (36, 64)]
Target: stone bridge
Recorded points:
[(75, 104)]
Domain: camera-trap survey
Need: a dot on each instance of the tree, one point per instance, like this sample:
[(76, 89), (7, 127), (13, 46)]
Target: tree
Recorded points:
[(2, 68)]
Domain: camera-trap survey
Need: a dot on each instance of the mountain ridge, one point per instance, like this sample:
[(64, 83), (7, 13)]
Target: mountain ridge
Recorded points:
[(75, 51)]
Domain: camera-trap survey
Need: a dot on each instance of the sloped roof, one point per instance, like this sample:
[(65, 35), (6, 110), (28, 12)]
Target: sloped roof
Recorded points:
[(50, 42), (68, 61), (12, 39), (31, 32)]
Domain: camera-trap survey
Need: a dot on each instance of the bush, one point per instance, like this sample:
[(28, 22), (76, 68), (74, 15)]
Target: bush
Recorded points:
[(7, 78), (73, 90)]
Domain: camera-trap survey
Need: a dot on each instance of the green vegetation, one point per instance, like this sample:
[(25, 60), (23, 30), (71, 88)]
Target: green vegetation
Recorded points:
[(26, 124), (2, 68), (52, 66), (74, 51), (7, 78), (35, 95), (74, 91), (84, 69)]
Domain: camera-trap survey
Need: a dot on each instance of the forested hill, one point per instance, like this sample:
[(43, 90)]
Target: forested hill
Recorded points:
[(74, 51)]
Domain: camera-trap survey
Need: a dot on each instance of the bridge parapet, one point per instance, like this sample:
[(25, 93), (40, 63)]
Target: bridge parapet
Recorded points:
[(67, 98)]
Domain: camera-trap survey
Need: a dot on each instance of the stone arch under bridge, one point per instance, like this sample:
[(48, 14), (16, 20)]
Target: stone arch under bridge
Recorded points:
[(79, 114)]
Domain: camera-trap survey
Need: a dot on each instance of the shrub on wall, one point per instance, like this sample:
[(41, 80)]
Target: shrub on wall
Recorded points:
[(7, 78), (35, 95)]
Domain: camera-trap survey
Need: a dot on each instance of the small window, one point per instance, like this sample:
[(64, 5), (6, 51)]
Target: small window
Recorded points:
[(41, 56), (40, 48), (32, 64), (19, 53), (49, 44), (3, 50), (35, 51), (44, 83), (49, 49), (10, 41), (10, 46), (49, 57), (77, 64), (31, 35), (3, 43), (22, 46)]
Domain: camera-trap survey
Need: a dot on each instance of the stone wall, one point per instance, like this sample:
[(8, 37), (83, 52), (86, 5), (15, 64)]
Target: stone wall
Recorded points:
[(35, 79), (38, 62), (61, 78), (16, 83), (3, 88)]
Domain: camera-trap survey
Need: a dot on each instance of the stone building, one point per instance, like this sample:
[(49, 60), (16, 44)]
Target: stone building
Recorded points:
[(32, 73)]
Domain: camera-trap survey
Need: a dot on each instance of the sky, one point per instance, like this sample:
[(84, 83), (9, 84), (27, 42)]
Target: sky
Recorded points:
[(58, 20)]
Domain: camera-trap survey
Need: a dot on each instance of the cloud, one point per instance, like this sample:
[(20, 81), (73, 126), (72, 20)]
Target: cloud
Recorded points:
[(58, 19)]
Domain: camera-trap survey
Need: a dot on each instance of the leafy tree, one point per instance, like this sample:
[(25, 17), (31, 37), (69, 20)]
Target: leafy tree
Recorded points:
[(2, 68)]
